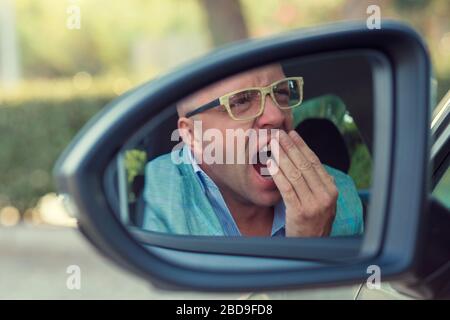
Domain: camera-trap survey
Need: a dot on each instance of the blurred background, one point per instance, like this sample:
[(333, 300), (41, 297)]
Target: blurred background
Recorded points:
[(62, 61)]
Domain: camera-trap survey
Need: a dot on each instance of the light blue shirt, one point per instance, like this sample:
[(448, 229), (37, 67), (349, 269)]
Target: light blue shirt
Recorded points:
[(214, 196)]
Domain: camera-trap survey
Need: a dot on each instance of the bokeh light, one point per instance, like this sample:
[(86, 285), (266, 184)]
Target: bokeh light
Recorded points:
[(82, 81), (9, 216)]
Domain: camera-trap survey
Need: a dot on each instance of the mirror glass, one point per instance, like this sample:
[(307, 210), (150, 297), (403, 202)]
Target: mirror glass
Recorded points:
[(281, 150)]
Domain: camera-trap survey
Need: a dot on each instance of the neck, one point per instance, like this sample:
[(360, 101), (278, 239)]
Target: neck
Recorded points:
[(252, 220)]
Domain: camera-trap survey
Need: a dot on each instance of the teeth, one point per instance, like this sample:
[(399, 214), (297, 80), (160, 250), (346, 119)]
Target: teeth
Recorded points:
[(264, 172), (265, 148)]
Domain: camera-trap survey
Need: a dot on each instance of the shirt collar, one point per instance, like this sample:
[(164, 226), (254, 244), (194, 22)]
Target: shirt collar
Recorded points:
[(204, 179), (189, 157), (279, 217)]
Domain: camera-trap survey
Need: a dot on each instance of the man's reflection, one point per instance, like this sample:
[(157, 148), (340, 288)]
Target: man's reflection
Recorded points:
[(291, 194)]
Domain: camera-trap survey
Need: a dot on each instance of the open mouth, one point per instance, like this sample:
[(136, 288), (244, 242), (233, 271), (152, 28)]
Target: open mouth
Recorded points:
[(260, 161)]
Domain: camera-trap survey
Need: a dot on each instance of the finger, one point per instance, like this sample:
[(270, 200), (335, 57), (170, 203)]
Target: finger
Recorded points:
[(292, 174), (287, 191), (312, 158), (301, 163)]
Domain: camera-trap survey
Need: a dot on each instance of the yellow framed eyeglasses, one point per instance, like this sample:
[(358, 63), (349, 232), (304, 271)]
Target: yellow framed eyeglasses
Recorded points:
[(248, 103)]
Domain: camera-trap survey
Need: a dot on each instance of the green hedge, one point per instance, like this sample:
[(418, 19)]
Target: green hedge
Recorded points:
[(33, 134)]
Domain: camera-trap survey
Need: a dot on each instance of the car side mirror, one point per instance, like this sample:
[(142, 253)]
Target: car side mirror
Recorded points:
[(382, 77)]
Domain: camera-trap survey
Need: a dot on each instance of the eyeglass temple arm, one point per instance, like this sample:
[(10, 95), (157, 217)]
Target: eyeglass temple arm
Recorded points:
[(204, 107)]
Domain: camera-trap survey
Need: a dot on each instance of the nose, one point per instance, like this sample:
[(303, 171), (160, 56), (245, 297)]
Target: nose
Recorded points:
[(272, 117)]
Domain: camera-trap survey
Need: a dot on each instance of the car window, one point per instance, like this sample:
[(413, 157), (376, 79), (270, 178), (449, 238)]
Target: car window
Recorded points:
[(331, 107)]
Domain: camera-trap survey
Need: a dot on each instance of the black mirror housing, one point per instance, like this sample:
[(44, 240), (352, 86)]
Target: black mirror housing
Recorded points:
[(401, 141)]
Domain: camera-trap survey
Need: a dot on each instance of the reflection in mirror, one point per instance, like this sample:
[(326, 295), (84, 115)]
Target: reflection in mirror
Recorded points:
[(282, 150)]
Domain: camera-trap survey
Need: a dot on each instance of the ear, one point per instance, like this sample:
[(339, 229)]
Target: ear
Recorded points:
[(186, 130)]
